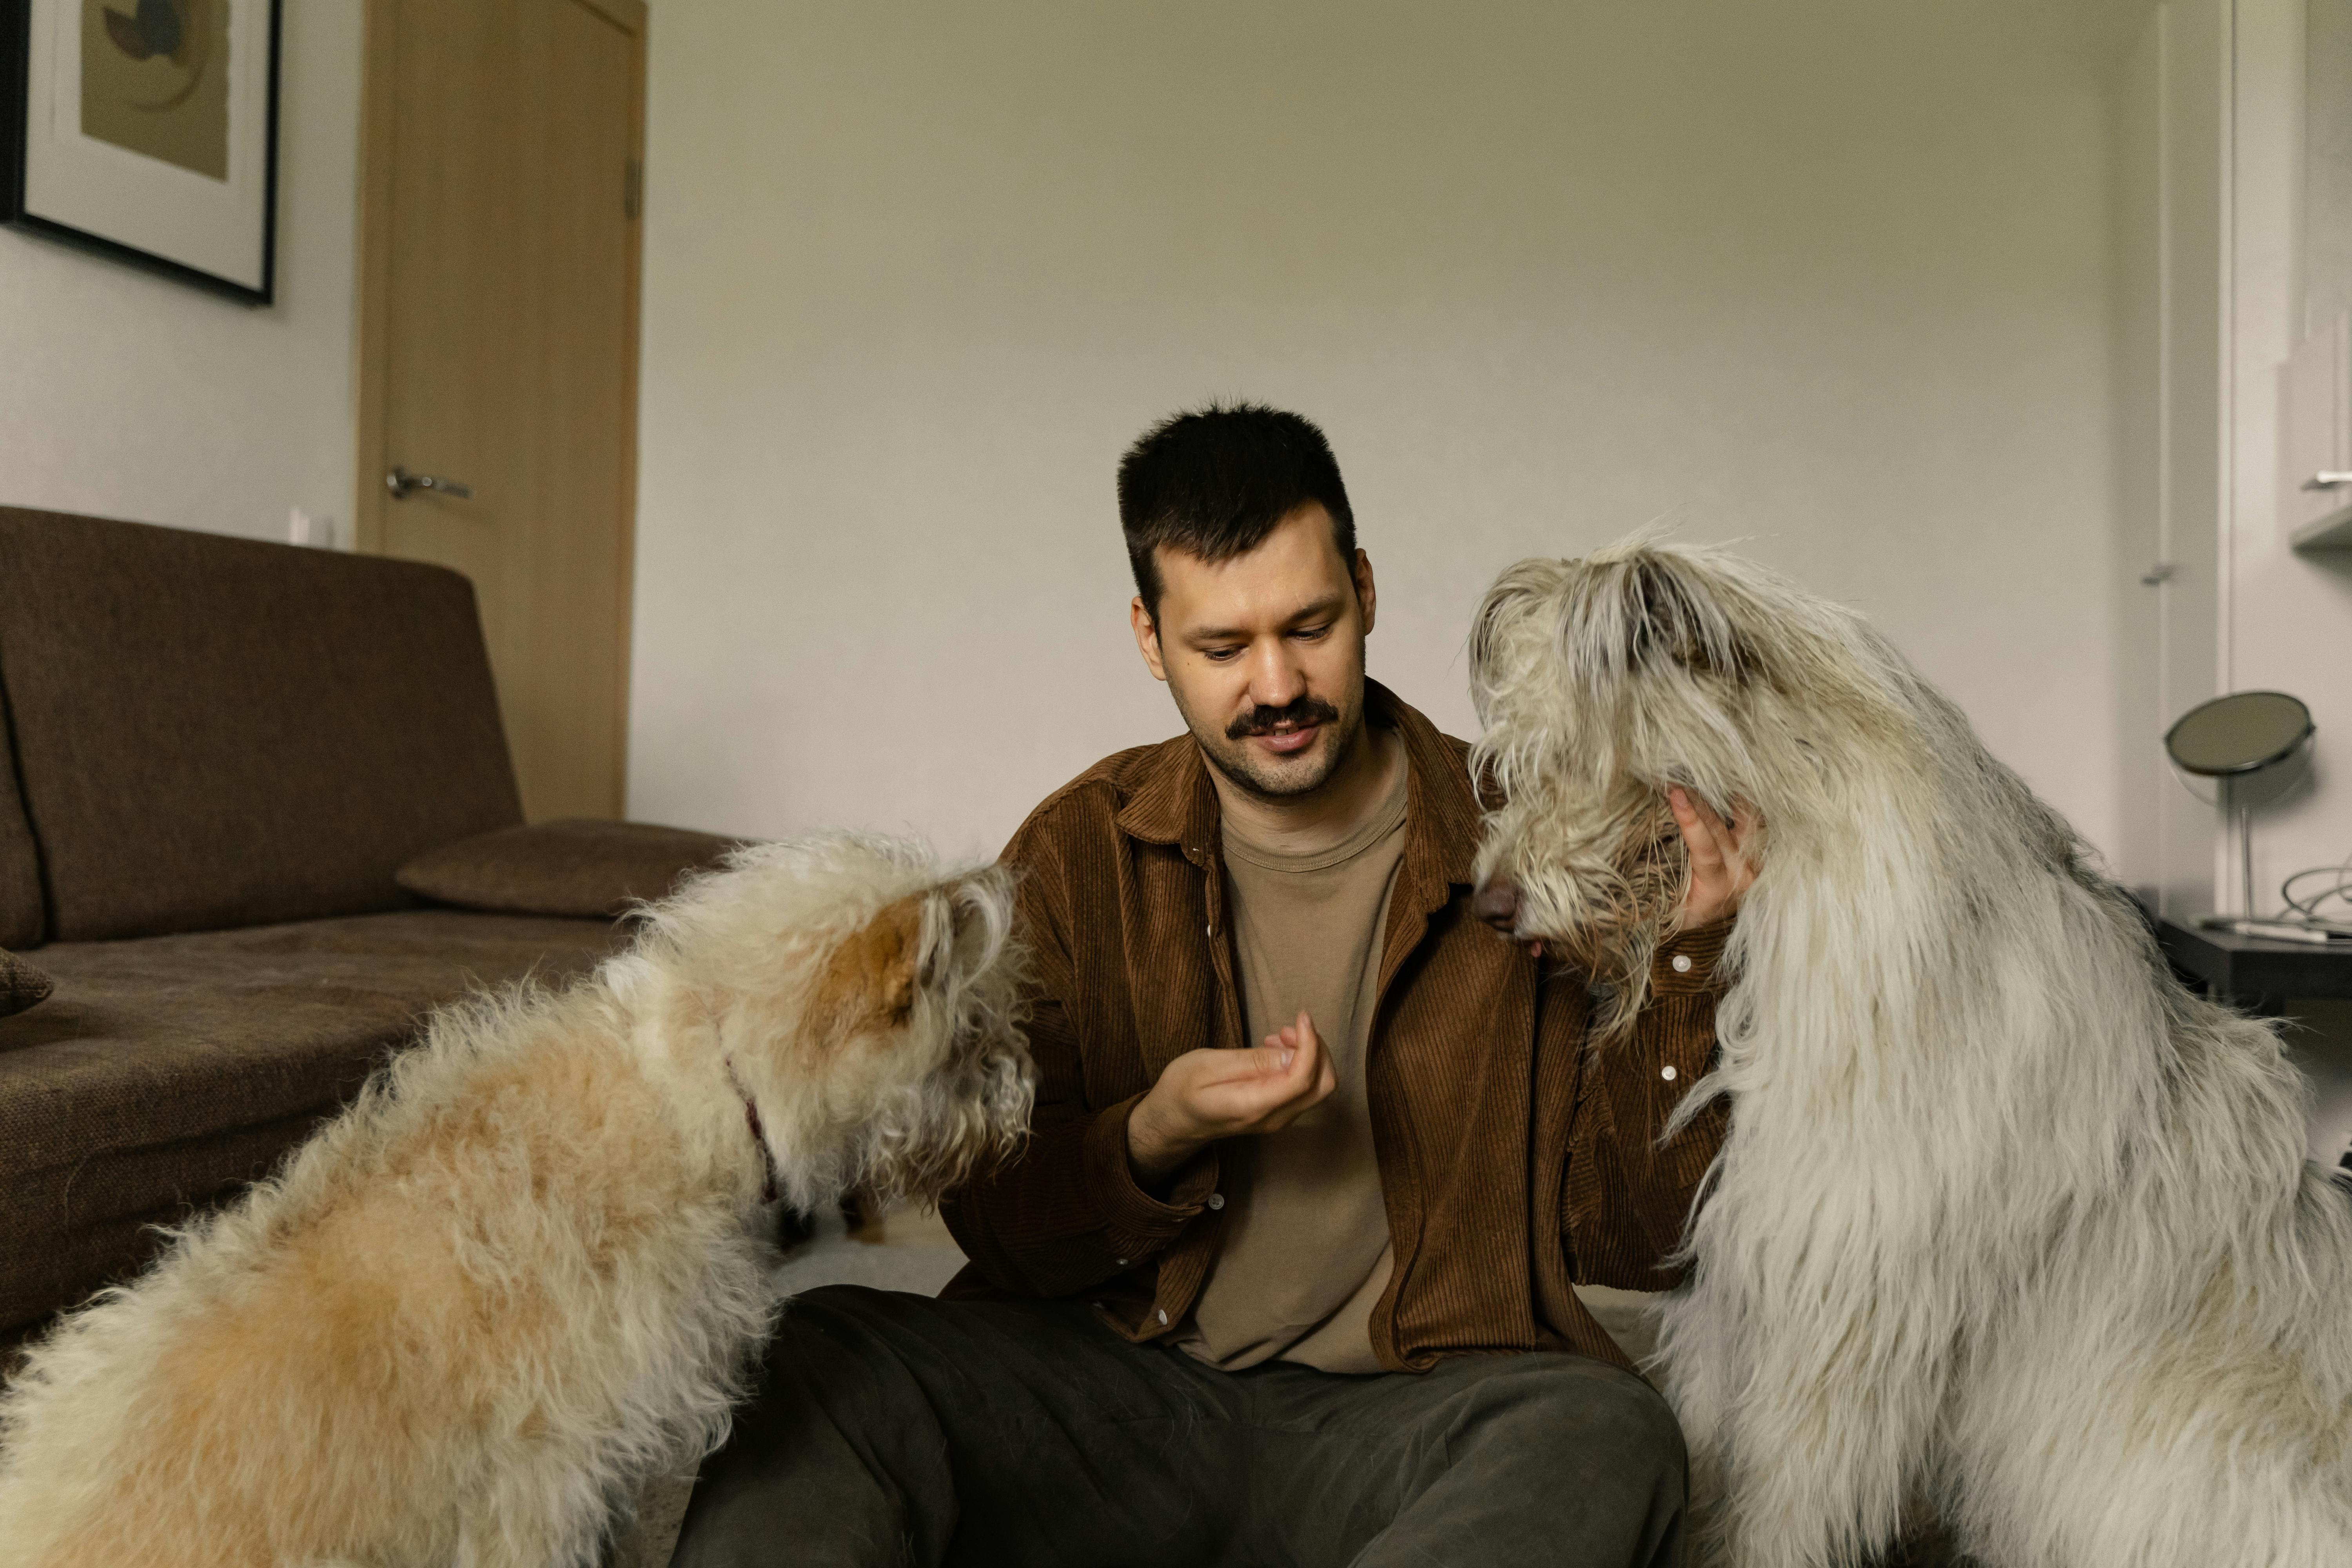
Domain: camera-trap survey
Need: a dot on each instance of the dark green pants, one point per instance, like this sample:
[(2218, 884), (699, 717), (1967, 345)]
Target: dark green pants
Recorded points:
[(896, 1430)]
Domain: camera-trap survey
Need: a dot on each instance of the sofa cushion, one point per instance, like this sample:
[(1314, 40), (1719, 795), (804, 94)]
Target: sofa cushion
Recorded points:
[(21, 984), (576, 865), (163, 1072), (215, 731)]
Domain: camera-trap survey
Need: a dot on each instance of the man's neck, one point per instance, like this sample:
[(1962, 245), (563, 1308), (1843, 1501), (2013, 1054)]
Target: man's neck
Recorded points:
[(1325, 815)]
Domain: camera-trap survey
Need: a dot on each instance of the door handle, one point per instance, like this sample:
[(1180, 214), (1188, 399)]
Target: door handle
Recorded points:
[(400, 482), (2327, 482)]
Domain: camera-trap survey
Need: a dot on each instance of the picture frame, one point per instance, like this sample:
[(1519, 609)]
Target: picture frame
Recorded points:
[(146, 131)]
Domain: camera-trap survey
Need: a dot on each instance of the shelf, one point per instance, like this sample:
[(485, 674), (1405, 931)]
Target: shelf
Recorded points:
[(2333, 531), (2315, 389), (2256, 973)]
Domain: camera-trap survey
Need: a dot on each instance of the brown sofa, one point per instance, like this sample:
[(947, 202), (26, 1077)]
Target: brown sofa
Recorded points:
[(217, 755)]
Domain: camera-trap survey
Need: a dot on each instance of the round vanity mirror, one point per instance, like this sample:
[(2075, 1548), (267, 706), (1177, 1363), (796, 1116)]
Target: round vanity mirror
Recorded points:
[(2243, 740), (2241, 733)]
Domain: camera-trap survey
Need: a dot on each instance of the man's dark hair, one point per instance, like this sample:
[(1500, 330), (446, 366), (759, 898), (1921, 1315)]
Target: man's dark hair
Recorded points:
[(1214, 483)]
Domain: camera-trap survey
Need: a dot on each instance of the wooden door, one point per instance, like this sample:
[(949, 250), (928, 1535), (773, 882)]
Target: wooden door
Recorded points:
[(498, 349)]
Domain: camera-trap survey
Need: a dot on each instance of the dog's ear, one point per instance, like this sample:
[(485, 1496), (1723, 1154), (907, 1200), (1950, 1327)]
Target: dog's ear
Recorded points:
[(1669, 615), (872, 973), (963, 924)]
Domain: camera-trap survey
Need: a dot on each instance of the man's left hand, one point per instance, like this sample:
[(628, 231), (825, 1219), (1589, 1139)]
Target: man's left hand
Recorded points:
[(1721, 872)]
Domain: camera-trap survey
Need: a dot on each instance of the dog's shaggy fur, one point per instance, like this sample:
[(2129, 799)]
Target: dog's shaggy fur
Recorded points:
[(2006, 1220), (528, 1267)]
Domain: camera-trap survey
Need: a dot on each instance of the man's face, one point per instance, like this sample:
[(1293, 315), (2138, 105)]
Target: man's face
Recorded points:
[(1265, 653)]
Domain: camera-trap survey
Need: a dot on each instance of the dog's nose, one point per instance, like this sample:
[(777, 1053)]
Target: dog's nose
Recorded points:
[(1497, 903)]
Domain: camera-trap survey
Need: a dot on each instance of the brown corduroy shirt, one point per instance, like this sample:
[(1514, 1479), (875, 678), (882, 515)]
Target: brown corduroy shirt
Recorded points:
[(1512, 1159)]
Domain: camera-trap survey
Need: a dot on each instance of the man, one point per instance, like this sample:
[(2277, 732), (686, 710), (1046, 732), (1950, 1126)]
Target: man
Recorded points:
[(1307, 1301)]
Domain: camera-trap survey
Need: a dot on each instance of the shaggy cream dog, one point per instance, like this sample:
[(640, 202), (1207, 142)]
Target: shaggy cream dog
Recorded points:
[(527, 1267), (2007, 1220)]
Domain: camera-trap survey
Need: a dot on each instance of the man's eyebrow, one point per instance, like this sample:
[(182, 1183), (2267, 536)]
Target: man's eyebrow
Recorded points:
[(1328, 605)]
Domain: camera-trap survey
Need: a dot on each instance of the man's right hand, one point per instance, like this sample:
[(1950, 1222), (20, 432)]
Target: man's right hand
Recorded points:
[(1206, 1095)]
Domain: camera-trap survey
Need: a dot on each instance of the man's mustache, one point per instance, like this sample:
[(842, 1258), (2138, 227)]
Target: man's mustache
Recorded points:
[(1296, 715)]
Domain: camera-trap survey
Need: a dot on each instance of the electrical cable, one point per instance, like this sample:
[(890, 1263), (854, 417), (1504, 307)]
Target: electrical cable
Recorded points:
[(2308, 907)]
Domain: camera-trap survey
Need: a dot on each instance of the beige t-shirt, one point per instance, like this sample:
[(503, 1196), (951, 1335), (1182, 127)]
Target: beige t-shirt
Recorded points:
[(1305, 1253)]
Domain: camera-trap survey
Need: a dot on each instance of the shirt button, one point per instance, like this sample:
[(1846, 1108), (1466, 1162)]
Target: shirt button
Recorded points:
[(1216, 1200), (1682, 963), (1668, 1073), (1162, 1315), (1122, 1262)]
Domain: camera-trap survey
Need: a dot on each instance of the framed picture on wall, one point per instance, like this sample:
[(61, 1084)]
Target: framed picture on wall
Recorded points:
[(146, 130)]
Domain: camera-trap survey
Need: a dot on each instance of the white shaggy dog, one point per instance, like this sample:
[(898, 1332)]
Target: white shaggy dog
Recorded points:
[(528, 1267), (2006, 1222)]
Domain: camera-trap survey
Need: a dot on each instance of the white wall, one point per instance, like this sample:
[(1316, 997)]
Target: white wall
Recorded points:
[(2172, 139), (126, 395), (2144, 699), (2324, 278), (1830, 277)]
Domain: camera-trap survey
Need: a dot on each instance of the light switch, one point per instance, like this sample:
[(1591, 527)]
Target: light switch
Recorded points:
[(318, 532)]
